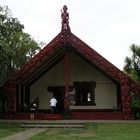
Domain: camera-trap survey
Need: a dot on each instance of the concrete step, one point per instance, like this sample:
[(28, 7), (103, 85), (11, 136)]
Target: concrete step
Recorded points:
[(52, 125)]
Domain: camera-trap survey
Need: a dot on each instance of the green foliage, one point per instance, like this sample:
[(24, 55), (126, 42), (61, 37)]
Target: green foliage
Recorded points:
[(135, 105), (16, 46), (135, 102), (132, 64)]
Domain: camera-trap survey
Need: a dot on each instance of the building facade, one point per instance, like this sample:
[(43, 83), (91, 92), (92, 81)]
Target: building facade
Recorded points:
[(85, 84)]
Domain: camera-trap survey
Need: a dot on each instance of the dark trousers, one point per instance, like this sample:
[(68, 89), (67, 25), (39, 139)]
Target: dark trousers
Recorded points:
[(53, 108)]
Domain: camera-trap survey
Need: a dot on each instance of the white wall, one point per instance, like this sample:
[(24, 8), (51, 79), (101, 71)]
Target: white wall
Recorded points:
[(39, 88), (79, 70), (41, 92)]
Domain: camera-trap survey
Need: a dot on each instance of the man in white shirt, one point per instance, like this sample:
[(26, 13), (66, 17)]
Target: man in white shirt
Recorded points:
[(53, 103)]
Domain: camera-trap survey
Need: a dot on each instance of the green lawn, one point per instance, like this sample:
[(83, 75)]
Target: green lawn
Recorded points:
[(9, 128), (94, 131)]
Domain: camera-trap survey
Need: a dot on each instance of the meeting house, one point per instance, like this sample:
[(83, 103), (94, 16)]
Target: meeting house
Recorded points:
[(84, 83)]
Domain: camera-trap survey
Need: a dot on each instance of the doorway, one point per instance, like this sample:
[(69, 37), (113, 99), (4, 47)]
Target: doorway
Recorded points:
[(58, 93)]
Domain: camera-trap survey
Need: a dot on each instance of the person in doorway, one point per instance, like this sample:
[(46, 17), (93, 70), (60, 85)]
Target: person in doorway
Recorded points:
[(53, 103), (33, 108)]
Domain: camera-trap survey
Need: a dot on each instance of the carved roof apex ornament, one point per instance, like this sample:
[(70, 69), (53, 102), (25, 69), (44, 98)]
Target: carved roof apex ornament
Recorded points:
[(65, 18)]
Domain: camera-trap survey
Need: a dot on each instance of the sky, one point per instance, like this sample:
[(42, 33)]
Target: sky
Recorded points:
[(108, 26)]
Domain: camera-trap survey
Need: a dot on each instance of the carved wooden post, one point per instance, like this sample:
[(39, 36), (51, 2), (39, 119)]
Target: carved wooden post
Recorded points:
[(125, 97), (65, 35), (11, 96), (66, 99), (65, 18)]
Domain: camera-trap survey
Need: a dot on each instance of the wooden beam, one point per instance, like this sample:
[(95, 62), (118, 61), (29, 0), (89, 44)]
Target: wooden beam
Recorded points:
[(66, 99)]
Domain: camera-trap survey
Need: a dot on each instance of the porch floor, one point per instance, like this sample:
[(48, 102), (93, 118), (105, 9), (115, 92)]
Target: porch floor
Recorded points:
[(70, 116)]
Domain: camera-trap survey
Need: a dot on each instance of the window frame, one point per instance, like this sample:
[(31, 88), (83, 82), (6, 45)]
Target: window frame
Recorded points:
[(82, 88)]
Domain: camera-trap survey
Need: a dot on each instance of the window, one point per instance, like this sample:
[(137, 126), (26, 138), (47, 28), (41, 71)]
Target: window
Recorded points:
[(85, 93), (89, 97)]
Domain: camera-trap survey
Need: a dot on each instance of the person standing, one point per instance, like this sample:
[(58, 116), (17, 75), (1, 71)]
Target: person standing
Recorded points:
[(33, 108), (53, 103)]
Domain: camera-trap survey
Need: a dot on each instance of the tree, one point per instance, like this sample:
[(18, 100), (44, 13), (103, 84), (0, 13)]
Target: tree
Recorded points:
[(16, 46), (135, 105), (132, 68), (132, 64)]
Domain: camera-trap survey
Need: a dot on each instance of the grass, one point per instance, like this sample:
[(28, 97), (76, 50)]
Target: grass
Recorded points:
[(9, 129), (93, 131)]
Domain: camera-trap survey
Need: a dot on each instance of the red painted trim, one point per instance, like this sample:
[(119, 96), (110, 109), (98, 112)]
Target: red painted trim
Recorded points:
[(101, 116), (66, 102), (74, 115)]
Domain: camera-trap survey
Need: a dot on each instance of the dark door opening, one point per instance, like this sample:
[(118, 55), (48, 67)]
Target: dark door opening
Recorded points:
[(58, 93)]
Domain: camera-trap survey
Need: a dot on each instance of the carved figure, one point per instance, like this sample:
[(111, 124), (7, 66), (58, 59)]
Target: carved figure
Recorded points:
[(65, 18)]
